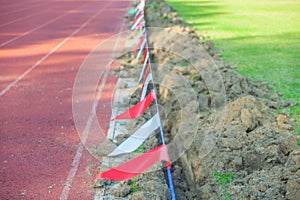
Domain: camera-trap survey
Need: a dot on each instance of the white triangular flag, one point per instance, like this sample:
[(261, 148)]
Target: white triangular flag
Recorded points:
[(138, 12), (141, 49), (138, 36), (141, 5), (137, 22), (144, 66), (149, 78), (138, 137)]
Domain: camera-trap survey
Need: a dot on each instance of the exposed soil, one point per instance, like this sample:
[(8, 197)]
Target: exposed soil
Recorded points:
[(220, 123)]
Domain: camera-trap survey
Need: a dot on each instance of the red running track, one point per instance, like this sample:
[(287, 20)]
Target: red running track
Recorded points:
[(42, 45)]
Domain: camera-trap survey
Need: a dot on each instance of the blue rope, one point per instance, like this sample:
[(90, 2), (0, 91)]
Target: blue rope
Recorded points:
[(171, 185)]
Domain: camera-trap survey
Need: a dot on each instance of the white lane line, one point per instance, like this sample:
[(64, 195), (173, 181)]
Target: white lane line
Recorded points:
[(21, 18), (34, 29), (15, 4), (25, 7), (79, 151), (48, 54)]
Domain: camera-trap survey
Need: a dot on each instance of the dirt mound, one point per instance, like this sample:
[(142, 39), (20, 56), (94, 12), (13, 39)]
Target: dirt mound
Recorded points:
[(263, 158), (239, 132)]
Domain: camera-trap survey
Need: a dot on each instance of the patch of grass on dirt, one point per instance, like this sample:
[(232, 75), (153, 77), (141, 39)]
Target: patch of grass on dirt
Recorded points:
[(224, 179), (137, 152), (260, 38), (185, 64), (134, 187)]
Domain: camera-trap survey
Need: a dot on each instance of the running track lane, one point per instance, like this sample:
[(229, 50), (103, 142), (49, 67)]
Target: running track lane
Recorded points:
[(38, 137)]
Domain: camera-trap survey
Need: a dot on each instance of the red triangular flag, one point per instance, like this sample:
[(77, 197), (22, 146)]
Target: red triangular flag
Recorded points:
[(147, 72), (140, 25), (137, 165), (139, 44), (137, 17), (138, 109), (145, 86), (145, 54)]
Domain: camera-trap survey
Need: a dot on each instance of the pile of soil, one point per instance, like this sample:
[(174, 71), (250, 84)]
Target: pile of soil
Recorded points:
[(219, 124), (251, 142)]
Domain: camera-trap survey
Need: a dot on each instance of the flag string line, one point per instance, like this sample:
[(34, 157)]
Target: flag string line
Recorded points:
[(148, 59), (130, 168), (146, 48), (169, 174)]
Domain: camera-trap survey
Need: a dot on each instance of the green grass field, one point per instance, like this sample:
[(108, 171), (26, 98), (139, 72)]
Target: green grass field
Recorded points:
[(261, 39)]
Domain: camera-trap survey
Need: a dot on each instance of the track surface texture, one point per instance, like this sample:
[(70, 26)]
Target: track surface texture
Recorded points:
[(42, 45)]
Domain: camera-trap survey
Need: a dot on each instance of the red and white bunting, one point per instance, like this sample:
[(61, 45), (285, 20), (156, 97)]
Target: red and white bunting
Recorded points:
[(141, 14), (138, 20), (146, 56), (143, 162), (140, 6), (137, 12), (138, 137), (139, 45), (145, 86), (148, 68), (141, 49), (138, 36), (140, 25), (145, 64), (138, 109), (137, 165)]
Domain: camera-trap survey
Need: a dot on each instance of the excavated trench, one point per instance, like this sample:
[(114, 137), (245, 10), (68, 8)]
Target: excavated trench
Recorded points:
[(225, 138)]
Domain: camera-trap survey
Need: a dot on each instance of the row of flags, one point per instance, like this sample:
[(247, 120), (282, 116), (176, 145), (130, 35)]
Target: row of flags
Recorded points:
[(143, 162)]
